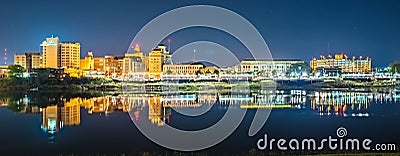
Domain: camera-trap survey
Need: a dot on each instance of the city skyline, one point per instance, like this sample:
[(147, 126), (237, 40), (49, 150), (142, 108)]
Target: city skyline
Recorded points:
[(367, 28)]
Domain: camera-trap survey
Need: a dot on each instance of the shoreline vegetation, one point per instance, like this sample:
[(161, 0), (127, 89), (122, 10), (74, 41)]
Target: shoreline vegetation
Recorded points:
[(85, 85)]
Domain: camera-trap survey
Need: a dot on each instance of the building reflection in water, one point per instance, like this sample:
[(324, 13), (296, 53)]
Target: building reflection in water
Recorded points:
[(343, 103), (60, 112), (63, 113)]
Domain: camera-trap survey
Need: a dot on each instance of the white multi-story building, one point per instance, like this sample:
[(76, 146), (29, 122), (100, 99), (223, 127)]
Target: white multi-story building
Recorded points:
[(279, 66)]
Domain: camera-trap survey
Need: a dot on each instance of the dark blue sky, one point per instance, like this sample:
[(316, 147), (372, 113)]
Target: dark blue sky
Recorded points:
[(292, 28)]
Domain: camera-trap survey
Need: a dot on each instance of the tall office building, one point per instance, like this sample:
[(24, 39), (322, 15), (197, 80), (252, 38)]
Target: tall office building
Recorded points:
[(70, 55), (57, 54), (157, 58), (51, 52)]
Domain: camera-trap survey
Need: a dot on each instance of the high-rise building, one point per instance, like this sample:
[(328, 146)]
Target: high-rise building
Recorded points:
[(51, 53), (57, 54), (157, 58), (70, 55), (29, 60), (341, 63), (20, 60), (33, 60)]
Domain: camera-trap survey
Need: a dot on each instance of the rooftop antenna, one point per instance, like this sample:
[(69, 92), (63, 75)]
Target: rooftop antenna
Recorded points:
[(5, 56)]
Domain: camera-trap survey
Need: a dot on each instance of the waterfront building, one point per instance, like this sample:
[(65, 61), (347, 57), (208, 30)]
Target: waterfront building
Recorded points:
[(56, 54), (341, 63), (88, 62), (29, 60), (56, 73), (51, 52), (277, 66), (134, 64), (33, 60), (157, 58), (70, 55), (98, 64), (182, 69), (20, 60), (4, 71), (119, 62)]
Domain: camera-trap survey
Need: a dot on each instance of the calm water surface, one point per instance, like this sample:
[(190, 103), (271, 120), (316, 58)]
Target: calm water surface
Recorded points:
[(81, 124)]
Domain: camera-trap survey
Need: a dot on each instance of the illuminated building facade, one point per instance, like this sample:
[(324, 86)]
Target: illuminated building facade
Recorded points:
[(20, 60), (88, 62), (4, 71), (134, 64), (182, 68), (70, 55), (33, 61), (342, 63), (29, 60), (157, 58), (268, 66), (51, 53), (98, 64)]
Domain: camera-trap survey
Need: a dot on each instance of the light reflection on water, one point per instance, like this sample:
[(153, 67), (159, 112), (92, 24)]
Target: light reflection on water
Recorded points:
[(59, 112)]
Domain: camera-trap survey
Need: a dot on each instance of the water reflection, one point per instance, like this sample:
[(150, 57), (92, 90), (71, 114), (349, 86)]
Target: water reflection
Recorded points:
[(343, 103), (60, 111)]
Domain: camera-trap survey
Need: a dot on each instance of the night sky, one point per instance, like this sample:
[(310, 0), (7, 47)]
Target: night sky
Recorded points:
[(292, 28)]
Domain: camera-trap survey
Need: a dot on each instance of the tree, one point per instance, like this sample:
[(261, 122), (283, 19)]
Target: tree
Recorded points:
[(216, 72), (16, 70), (169, 72), (395, 67), (274, 72)]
